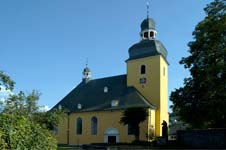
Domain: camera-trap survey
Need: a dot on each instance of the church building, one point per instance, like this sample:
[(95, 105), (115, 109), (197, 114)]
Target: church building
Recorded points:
[(95, 106)]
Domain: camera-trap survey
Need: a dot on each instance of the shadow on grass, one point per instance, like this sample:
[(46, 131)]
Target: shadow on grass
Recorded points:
[(68, 147)]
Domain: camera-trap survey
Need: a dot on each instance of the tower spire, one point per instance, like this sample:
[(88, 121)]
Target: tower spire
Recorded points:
[(148, 26), (87, 62), (147, 4)]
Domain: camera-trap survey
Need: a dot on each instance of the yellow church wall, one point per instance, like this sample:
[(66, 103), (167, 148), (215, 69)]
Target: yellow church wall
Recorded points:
[(61, 134), (164, 90), (106, 119), (151, 88), (151, 123), (155, 90)]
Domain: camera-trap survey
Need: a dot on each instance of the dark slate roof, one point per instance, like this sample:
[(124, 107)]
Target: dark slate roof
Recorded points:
[(147, 48), (92, 97), (147, 24)]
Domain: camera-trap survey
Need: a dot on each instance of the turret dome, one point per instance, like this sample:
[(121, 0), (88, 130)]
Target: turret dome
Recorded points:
[(86, 69), (147, 23)]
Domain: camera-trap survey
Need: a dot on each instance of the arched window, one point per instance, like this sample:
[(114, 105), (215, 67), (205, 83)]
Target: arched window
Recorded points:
[(105, 89), (152, 34), (143, 69), (146, 35), (55, 130), (79, 126), (94, 126)]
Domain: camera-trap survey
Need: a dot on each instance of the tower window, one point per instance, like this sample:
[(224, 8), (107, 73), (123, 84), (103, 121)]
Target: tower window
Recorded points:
[(143, 69), (164, 71), (151, 34), (146, 34)]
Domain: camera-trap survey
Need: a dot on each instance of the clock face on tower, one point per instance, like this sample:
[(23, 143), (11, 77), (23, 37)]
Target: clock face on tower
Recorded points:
[(142, 80)]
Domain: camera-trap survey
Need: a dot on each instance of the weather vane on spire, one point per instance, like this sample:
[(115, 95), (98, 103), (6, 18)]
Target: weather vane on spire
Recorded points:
[(147, 9), (86, 62)]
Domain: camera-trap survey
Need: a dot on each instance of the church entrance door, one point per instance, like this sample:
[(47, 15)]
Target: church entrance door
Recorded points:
[(111, 139), (111, 136)]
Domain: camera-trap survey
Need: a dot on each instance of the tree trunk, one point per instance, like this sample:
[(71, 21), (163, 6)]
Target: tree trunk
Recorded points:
[(137, 133)]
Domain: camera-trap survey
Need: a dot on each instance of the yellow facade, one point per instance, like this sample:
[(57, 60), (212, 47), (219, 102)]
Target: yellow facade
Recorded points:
[(155, 90), (147, 75), (106, 120)]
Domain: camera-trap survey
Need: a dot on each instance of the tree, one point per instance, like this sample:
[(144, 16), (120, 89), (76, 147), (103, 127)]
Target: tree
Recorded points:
[(6, 81), (201, 102), (134, 116), (22, 125), (21, 133)]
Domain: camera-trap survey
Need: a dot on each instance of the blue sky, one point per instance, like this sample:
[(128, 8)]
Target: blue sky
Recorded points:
[(44, 44)]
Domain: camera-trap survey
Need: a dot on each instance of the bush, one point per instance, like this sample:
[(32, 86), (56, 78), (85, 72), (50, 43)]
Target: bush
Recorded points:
[(20, 133)]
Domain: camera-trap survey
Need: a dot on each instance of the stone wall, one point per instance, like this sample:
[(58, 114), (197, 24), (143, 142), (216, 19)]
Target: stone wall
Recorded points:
[(211, 138)]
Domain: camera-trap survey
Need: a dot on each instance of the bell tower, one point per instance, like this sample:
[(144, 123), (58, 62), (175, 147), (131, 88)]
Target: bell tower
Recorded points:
[(147, 71)]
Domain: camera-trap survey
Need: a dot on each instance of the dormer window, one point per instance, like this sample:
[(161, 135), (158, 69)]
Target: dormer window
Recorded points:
[(105, 89), (114, 103), (79, 106), (59, 107)]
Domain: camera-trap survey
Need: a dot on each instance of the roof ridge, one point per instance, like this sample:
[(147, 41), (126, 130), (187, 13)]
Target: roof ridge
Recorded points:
[(108, 77)]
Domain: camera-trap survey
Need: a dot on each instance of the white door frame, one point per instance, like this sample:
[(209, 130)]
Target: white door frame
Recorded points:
[(111, 132)]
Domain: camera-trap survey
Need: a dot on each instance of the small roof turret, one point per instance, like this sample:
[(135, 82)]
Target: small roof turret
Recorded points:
[(86, 74), (86, 69)]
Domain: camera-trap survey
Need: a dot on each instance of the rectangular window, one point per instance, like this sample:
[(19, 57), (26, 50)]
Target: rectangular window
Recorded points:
[(164, 71), (130, 129)]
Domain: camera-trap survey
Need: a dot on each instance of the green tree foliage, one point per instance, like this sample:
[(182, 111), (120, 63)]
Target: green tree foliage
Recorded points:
[(23, 125), (134, 116), (201, 102), (6, 81), (21, 133), (50, 119), (6, 84)]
